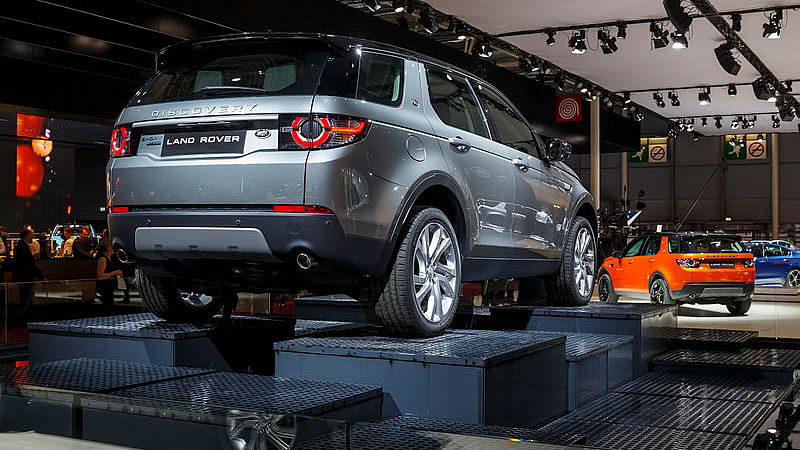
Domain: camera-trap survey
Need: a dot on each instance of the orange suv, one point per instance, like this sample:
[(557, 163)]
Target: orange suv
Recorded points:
[(681, 268)]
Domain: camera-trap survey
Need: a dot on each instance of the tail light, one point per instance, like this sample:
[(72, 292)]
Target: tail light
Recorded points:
[(688, 263), (120, 142), (318, 131), (309, 209), (119, 209), (748, 262)]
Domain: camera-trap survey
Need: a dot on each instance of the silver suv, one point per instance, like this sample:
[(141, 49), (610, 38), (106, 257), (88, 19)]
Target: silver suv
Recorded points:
[(279, 162)]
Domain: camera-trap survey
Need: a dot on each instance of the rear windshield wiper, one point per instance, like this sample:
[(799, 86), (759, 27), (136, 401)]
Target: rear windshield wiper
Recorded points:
[(228, 89)]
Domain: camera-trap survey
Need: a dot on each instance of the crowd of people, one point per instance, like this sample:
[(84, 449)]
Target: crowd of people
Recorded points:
[(27, 251)]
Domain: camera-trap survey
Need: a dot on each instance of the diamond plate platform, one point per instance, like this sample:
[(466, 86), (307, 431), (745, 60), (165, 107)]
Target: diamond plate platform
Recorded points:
[(408, 422), (214, 344), (707, 339), (633, 437), (774, 362), (607, 310), (707, 387), (224, 391), (91, 375), (464, 375), (717, 416), (310, 328)]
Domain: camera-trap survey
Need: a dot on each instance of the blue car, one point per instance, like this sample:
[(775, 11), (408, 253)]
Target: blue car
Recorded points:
[(776, 265)]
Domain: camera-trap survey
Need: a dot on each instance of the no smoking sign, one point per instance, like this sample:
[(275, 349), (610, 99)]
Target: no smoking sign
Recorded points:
[(658, 153), (756, 150)]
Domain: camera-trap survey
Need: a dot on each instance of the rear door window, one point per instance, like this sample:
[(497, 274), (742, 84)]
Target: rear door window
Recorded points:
[(452, 99), (267, 69), (508, 127), (757, 251), (652, 246), (380, 79)]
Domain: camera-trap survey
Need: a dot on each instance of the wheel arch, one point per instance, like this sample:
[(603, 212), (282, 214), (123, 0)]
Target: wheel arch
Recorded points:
[(584, 207), (657, 275)]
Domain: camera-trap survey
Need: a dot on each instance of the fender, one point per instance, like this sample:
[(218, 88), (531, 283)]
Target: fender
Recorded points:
[(653, 276), (582, 199), (435, 178)]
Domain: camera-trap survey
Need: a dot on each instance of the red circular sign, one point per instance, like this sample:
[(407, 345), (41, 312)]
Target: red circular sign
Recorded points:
[(657, 153), (756, 149)]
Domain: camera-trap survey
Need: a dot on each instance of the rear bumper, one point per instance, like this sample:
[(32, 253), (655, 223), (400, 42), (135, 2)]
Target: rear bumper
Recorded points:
[(230, 238), (711, 292)]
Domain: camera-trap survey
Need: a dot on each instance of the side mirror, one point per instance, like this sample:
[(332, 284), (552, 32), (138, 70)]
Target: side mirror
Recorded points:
[(616, 254), (558, 150)]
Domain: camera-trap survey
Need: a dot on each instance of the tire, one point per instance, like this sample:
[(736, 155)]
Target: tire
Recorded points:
[(792, 278), (397, 308), (562, 287), (659, 292), (162, 298), (739, 308), (605, 289)]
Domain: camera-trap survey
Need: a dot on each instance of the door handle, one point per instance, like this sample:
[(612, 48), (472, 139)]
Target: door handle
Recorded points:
[(459, 144), (520, 164), (651, 260)]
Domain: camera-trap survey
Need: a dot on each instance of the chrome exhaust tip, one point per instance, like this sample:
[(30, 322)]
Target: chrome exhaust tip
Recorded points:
[(305, 261)]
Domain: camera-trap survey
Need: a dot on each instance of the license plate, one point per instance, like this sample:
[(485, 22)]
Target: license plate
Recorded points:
[(200, 142), (722, 265)]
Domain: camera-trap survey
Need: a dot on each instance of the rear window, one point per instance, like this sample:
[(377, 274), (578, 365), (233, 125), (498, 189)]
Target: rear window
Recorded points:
[(271, 69), (380, 79), (711, 244)]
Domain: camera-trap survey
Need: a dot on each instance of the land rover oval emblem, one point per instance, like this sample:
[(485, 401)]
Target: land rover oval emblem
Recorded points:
[(262, 133)]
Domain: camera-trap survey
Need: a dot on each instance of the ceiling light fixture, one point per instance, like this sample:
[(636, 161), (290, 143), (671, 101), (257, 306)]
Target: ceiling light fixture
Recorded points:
[(736, 22), (725, 57), (622, 30), (704, 121), (485, 50), (659, 99), (659, 36), (776, 121), (731, 90), (578, 42), (735, 124), (673, 97), (704, 96), (718, 122), (372, 5), (772, 28), (551, 38), (428, 22), (626, 97), (608, 43), (399, 5), (679, 41)]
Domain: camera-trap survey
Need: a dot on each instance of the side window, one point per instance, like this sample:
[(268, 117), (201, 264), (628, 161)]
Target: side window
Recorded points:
[(380, 79), (653, 245), (632, 249), (757, 251), (772, 250), (509, 128), (674, 244), (454, 103)]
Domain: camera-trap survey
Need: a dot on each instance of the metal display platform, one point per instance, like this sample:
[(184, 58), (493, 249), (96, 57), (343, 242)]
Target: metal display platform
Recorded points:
[(340, 308), (596, 364), (633, 319), (772, 363), (471, 376), (704, 338), (146, 338), (676, 411)]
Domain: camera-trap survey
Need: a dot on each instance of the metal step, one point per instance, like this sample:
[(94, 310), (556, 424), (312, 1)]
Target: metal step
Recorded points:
[(702, 337), (763, 361), (745, 389)]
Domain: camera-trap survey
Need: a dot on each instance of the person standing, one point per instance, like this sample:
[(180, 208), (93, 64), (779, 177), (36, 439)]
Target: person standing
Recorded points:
[(66, 246), (36, 249), (25, 271), (106, 275), (84, 246)]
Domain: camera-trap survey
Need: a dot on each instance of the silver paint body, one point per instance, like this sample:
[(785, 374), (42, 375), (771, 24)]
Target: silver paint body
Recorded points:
[(509, 213)]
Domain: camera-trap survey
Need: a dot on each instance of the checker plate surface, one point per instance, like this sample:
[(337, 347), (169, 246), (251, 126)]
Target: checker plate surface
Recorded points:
[(92, 375), (460, 347), (719, 416), (703, 335), (442, 426), (707, 386), (582, 345), (220, 391), (307, 328), (144, 325), (771, 359), (632, 437), (609, 311)]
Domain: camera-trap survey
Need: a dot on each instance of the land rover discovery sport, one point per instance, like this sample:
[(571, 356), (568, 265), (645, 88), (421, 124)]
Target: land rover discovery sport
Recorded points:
[(278, 162)]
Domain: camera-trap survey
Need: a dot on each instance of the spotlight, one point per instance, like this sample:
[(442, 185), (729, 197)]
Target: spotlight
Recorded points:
[(677, 15), (785, 109), (703, 121), (578, 42), (725, 57), (627, 97), (622, 31), (788, 84), (772, 29), (640, 117), (704, 97), (673, 97), (772, 96), (763, 90), (485, 50), (689, 124), (659, 99), (731, 90), (735, 124), (718, 122), (399, 5), (679, 41), (776, 121), (427, 22), (459, 29), (372, 5), (558, 81), (760, 137), (607, 43), (524, 65), (659, 36), (736, 22), (695, 136), (551, 38)]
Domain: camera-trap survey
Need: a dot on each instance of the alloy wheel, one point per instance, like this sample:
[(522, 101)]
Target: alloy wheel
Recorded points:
[(583, 258), (434, 275), (657, 293), (603, 289), (793, 278)]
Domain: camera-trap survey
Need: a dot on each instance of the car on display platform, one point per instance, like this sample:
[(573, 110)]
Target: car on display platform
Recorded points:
[(776, 265), (279, 162), (681, 268)]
